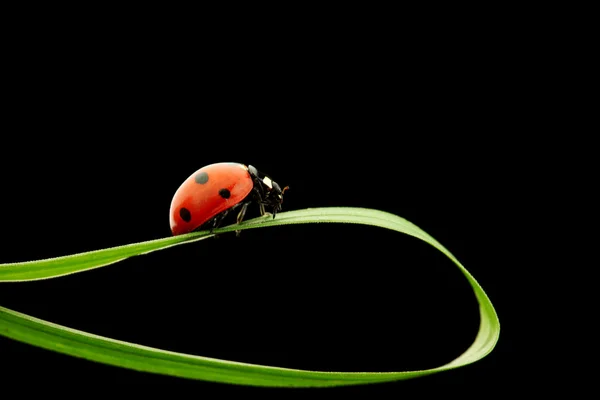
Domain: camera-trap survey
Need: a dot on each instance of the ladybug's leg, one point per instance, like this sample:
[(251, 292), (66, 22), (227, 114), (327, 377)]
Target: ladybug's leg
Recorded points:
[(241, 215), (258, 197), (218, 219), (242, 212)]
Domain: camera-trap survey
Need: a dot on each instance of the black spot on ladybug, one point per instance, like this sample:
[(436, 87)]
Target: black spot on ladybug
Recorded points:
[(224, 193), (185, 214), (201, 178)]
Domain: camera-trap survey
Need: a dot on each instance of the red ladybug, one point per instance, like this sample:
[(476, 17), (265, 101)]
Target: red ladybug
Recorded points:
[(206, 197)]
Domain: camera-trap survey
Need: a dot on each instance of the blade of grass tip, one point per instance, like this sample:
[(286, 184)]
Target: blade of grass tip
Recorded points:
[(70, 264), (58, 338)]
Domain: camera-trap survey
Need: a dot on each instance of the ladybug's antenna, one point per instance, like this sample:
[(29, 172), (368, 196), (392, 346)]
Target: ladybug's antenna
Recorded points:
[(282, 192)]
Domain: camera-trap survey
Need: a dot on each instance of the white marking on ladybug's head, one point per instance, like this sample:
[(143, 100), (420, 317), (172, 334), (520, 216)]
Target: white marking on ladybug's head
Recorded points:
[(267, 181)]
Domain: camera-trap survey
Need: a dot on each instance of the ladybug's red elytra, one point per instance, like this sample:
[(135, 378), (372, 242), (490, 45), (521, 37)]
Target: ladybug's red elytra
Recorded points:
[(206, 197)]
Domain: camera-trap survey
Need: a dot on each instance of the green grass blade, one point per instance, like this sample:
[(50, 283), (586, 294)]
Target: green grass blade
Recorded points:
[(47, 335), (60, 266)]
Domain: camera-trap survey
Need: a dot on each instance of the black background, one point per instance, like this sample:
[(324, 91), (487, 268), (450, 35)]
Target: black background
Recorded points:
[(103, 129)]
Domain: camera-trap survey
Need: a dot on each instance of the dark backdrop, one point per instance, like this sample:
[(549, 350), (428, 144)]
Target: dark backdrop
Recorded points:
[(101, 139)]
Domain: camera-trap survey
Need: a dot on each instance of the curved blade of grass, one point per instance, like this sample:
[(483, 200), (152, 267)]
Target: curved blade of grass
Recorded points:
[(76, 343), (66, 265)]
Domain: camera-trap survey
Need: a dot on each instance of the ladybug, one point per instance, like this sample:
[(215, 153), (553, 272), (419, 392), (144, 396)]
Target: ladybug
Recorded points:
[(207, 196)]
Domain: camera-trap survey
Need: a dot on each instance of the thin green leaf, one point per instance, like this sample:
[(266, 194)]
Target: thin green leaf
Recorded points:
[(66, 265), (76, 343)]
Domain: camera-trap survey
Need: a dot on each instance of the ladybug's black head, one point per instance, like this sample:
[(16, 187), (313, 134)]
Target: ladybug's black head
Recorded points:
[(268, 192)]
